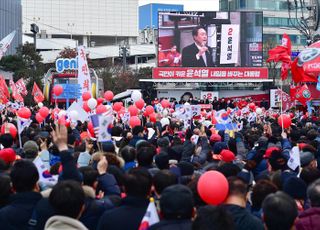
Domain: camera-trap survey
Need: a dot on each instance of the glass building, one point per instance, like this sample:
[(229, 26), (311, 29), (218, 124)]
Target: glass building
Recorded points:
[(11, 19), (275, 19)]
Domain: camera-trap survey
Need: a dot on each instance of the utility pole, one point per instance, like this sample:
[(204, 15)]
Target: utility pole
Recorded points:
[(34, 29), (124, 51)]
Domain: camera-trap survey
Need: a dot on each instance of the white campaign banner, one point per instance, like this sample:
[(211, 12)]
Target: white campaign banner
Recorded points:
[(5, 43), (83, 71), (230, 37)]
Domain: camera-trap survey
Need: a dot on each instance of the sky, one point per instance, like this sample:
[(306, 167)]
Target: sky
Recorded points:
[(189, 5)]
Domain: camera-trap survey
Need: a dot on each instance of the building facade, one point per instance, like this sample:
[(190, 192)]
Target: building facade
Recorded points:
[(275, 19), (91, 23), (10, 18)]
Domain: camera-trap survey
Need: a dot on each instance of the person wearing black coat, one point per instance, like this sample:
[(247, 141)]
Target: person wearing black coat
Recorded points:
[(16, 215), (128, 216)]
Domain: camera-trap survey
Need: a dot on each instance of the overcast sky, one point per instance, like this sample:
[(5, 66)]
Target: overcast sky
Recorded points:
[(189, 5)]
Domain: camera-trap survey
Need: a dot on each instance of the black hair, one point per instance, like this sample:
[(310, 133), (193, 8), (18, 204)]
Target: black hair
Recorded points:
[(137, 129), (309, 174), (128, 153), (195, 30), (6, 140), (260, 190), (176, 202), (67, 198), (5, 191), (24, 176), (145, 156), (313, 193), (89, 175), (163, 179), (279, 211), (138, 182), (237, 187), (213, 218), (229, 169), (116, 131)]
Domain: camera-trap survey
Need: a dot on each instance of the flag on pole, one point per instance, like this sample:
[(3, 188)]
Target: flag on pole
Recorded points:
[(303, 95), (287, 103), (4, 92), (22, 124), (21, 87), (37, 93), (83, 71), (150, 217), (15, 93), (5, 43)]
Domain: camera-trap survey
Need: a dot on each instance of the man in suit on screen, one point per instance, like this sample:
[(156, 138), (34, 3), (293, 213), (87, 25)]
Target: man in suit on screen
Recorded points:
[(197, 54)]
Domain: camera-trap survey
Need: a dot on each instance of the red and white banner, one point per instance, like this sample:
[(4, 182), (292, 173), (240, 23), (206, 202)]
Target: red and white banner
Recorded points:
[(286, 100), (21, 87), (209, 95), (5, 43), (210, 73), (15, 93), (83, 71), (230, 37)]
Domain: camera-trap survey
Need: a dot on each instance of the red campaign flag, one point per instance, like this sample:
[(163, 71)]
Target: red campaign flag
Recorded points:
[(4, 88), (303, 95), (21, 87), (3, 98), (293, 91), (287, 103), (284, 70), (37, 93), (281, 53), (15, 93)]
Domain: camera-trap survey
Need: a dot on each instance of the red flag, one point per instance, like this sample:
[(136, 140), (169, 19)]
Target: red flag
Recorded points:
[(303, 94), (21, 87), (293, 91), (15, 93), (4, 88), (37, 93), (287, 103), (284, 70)]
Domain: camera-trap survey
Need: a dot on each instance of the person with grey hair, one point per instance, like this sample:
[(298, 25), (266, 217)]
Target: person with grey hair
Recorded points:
[(309, 219)]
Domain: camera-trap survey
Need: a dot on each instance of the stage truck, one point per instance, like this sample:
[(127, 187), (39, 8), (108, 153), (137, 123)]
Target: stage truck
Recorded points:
[(65, 74)]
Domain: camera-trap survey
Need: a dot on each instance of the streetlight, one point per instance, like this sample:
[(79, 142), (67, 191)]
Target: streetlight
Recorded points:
[(71, 25), (34, 29), (304, 17)]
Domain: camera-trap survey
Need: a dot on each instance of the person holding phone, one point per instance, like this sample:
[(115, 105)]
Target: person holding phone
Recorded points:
[(198, 54)]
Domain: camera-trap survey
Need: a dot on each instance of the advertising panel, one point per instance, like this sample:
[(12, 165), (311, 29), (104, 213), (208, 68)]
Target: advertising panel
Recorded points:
[(210, 39)]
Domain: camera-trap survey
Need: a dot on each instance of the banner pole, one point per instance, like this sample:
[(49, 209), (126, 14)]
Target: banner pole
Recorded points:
[(281, 106)]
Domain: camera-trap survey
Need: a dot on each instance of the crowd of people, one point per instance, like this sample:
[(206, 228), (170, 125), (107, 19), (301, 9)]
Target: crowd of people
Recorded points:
[(62, 178)]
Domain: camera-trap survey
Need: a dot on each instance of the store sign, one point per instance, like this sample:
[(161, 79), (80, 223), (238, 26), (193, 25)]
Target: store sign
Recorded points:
[(210, 73), (63, 64)]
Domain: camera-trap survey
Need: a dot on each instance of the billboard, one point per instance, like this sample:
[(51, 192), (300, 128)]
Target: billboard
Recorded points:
[(210, 39)]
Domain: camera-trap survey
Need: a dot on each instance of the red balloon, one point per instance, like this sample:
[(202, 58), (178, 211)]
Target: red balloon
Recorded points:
[(24, 113), (291, 115), (133, 110), (44, 111), (213, 187), (62, 120), (165, 103), (57, 90), (117, 106), (108, 95), (100, 100), (91, 129), (286, 121), (86, 96), (134, 121), (139, 103), (54, 113), (86, 107), (101, 109), (252, 106), (11, 129), (149, 109), (39, 118), (153, 117)]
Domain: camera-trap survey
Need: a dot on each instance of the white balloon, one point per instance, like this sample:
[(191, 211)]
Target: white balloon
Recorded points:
[(62, 113), (73, 115), (165, 113), (165, 121), (40, 104), (259, 111), (136, 95), (92, 103), (187, 103)]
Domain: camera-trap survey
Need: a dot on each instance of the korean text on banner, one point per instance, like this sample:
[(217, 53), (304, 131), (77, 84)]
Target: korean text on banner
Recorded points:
[(230, 35), (83, 71)]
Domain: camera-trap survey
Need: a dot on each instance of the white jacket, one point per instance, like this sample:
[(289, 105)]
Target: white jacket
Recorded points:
[(63, 222)]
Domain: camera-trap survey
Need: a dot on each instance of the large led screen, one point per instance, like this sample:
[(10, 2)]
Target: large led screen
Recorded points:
[(210, 39)]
